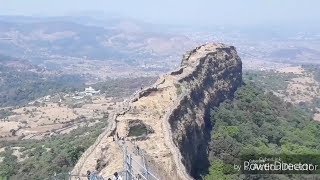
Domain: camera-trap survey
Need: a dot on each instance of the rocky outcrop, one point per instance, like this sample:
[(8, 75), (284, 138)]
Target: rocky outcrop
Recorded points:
[(170, 120), (215, 77)]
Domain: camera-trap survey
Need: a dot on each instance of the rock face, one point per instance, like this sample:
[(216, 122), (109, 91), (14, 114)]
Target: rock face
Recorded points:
[(170, 120), (216, 75)]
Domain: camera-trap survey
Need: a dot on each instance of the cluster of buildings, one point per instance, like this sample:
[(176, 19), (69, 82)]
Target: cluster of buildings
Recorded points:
[(87, 92)]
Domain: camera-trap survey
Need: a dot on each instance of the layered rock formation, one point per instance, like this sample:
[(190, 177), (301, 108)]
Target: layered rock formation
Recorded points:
[(169, 121)]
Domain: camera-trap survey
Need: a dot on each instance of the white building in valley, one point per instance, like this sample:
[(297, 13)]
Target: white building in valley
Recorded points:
[(90, 91)]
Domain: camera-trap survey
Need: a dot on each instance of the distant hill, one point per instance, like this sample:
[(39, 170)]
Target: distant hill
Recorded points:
[(121, 40), (22, 82)]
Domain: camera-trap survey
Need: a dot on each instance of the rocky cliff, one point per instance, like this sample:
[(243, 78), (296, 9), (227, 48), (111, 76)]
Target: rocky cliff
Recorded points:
[(170, 120)]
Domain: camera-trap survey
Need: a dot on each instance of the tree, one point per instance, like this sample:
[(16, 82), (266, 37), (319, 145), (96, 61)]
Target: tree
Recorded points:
[(9, 165), (257, 122)]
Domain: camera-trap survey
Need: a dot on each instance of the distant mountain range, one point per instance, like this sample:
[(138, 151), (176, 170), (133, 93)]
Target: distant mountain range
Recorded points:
[(120, 42), (83, 37)]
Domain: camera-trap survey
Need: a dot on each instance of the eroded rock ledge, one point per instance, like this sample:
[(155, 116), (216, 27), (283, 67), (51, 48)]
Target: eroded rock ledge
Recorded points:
[(171, 117)]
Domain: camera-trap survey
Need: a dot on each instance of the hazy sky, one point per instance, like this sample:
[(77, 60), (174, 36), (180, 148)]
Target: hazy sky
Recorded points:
[(178, 11)]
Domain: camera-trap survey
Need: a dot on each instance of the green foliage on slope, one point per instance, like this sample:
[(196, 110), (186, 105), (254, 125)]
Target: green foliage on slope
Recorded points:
[(21, 87), (314, 69), (258, 123), (44, 158), (269, 80)]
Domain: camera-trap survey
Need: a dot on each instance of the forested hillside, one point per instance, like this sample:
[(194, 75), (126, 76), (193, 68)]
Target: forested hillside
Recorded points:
[(20, 87), (257, 122), (41, 159)]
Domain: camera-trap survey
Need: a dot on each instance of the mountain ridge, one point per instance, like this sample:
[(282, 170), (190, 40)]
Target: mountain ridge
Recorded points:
[(173, 112)]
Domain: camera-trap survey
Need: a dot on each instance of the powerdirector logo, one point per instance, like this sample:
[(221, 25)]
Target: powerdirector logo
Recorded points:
[(278, 164)]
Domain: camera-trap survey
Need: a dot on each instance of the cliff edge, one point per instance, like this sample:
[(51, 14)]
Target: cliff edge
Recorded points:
[(169, 121)]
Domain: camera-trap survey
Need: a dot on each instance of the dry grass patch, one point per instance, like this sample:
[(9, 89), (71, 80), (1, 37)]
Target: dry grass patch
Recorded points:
[(295, 70)]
